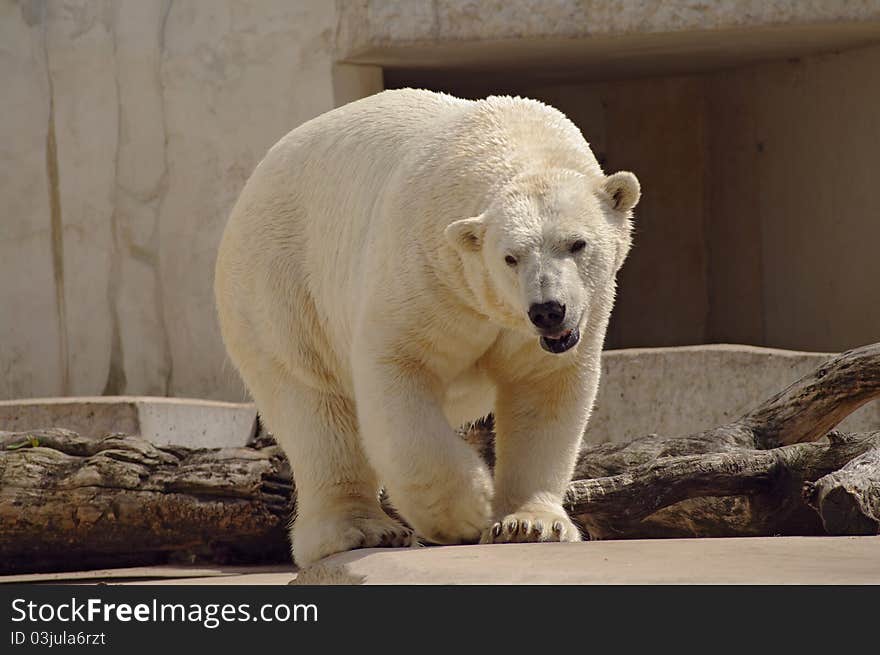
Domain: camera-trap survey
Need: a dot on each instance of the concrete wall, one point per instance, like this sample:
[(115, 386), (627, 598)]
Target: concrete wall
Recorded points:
[(130, 126), (794, 216)]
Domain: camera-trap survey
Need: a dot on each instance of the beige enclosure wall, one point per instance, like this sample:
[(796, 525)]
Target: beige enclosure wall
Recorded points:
[(794, 224), (129, 128)]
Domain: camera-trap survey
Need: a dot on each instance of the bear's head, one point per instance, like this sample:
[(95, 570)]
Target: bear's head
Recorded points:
[(543, 257)]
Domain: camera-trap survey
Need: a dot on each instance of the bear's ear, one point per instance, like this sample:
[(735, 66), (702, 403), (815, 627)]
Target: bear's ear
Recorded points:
[(622, 190), (466, 235)]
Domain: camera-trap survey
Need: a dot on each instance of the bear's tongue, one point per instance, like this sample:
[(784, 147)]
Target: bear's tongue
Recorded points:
[(565, 341)]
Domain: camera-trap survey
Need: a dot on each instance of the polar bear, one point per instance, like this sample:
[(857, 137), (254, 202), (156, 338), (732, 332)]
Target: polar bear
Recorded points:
[(404, 264)]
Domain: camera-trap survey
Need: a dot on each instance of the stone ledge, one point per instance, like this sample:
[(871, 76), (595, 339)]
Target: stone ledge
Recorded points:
[(162, 421), (755, 560), (600, 38), (668, 391), (677, 391)]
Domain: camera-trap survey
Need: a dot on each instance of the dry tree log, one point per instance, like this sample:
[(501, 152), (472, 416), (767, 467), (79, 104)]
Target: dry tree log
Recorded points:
[(766, 483), (71, 502), (848, 500)]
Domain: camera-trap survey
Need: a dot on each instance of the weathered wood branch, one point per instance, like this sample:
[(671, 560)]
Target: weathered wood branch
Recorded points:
[(816, 403), (848, 500), (67, 501), (615, 506)]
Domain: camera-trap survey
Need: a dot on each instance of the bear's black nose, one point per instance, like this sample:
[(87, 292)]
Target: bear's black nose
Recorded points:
[(547, 315)]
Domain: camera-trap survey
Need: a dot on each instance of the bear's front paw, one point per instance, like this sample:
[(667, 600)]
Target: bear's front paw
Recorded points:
[(317, 535), (551, 524), (453, 513)]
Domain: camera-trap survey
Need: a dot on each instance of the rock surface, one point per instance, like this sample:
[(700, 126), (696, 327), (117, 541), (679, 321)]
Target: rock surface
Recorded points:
[(760, 560)]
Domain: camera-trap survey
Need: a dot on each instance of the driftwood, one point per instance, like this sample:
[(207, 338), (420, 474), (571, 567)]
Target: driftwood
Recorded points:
[(848, 500), (71, 502), (736, 493)]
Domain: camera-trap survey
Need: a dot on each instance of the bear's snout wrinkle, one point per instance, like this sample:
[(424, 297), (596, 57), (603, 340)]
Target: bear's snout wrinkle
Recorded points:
[(547, 315)]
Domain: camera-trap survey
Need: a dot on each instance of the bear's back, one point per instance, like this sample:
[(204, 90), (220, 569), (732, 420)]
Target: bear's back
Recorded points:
[(386, 122), (422, 128)]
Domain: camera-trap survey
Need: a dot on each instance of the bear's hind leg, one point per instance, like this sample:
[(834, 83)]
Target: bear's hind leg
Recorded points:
[(337, 491)]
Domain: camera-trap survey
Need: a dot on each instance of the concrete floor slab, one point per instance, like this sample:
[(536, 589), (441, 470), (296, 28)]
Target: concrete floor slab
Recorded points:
[(756, 560), (164, 575), (759, 560)]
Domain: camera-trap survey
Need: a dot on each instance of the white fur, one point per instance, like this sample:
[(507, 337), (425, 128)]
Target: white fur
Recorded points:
[(364, 296)]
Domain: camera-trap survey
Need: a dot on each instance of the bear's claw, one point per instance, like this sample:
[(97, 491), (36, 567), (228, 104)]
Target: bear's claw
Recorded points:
[(524, 527)]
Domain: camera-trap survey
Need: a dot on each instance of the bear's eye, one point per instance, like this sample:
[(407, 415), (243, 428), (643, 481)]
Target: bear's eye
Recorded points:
[(577, 246), (510, 260)]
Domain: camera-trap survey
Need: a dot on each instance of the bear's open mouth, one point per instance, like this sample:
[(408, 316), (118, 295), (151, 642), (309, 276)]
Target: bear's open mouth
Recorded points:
[(561, 343)]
